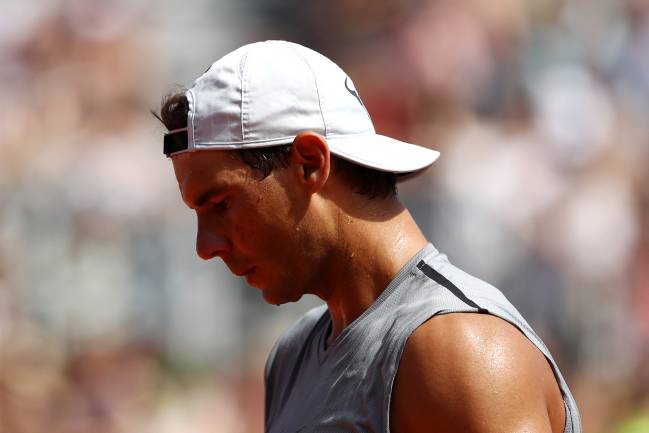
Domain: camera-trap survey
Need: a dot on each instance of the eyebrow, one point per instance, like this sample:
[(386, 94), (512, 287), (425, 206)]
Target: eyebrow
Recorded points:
[(204, 196)]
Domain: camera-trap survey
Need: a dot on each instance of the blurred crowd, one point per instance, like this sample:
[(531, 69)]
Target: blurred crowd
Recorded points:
[(110, 324)]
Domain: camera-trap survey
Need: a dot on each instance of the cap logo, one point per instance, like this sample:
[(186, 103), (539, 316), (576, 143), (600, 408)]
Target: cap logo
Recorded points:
[(352, 90)]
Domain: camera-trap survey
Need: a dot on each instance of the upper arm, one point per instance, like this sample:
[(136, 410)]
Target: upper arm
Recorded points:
[(474, 373)]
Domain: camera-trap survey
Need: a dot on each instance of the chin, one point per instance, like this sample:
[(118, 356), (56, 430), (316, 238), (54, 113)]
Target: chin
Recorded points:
[(274, 292), (280, 297)]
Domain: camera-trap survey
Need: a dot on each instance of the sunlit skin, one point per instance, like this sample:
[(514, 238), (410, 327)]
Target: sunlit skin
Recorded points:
[(303, 230), (474, 373)]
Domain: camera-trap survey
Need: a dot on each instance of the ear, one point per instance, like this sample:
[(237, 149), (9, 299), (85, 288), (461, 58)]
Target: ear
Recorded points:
[(310, 159)]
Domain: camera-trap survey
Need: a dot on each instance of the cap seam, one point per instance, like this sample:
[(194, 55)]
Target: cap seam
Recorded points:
[(317, 89), (243, 74), (191, 102), (358, 134), (286, 139)]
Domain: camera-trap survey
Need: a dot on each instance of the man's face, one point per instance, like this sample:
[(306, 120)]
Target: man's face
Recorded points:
[(258, 227)]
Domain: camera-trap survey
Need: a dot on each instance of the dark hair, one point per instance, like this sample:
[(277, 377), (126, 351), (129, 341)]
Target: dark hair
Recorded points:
[(366, 181)]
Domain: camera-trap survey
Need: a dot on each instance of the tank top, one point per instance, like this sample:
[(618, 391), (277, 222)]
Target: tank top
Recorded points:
[(346, 387)]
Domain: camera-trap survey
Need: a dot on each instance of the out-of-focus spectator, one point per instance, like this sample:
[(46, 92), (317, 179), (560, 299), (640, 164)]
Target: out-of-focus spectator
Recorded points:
[(107, 324)]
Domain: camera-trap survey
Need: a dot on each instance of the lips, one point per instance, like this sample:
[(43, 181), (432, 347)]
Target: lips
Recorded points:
[(249, 275)]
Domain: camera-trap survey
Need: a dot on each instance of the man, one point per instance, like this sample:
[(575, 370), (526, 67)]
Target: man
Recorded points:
[(293, 190)]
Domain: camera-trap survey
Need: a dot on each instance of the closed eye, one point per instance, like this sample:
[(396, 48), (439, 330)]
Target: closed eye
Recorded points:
[(221, 205), (218, 205), (207, 199)]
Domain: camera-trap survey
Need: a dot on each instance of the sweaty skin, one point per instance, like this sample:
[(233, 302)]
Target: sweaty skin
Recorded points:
[(474, 373), (303, 230)]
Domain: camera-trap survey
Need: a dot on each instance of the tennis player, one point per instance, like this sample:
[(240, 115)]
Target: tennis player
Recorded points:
[(294, 190)]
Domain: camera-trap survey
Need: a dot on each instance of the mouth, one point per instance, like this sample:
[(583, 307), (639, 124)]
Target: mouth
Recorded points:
[(249, 277)]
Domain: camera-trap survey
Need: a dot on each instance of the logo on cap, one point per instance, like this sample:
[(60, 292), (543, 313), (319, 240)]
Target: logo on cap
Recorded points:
[(352, 90)]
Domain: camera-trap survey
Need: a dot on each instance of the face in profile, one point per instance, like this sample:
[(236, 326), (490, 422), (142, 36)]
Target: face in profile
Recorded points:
[(260, 228)]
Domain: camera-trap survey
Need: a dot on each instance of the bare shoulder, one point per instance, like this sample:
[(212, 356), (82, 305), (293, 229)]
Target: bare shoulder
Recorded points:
[(474, 373)]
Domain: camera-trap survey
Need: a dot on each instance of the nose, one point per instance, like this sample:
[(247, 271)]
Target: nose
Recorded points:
[(210, 244)]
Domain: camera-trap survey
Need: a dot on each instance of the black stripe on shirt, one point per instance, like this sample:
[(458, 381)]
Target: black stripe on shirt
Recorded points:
[(442, 280)]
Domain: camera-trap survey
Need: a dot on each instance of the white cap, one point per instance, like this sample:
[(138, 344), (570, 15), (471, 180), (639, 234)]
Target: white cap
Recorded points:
[(265, 93)]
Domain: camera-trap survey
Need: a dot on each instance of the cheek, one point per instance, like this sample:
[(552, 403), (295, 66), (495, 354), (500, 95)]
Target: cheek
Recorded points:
[(273, 210), (257, 229), (266, 218)]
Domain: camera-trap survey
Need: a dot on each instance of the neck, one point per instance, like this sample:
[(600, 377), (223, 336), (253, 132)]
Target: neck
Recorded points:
[(369, 254)]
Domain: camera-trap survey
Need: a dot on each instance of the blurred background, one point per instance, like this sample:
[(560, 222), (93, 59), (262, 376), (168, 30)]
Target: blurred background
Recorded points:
[(109, 322)]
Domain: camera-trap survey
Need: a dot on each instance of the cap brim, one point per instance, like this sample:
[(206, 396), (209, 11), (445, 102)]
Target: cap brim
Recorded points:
[(382, 153)]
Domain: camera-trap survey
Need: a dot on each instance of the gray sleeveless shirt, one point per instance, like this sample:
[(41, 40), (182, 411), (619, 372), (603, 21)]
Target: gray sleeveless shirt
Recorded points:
[(347, 387)]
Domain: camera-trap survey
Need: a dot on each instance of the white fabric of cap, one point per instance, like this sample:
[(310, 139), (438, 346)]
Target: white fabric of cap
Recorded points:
[(265, 93)]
